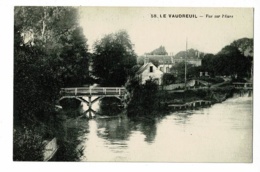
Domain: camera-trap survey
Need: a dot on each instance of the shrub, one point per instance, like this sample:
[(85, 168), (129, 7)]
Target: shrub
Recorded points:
[(28, 145)]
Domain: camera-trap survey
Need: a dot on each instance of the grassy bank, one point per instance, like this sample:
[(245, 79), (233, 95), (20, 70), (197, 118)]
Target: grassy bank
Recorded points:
[(214, 95)]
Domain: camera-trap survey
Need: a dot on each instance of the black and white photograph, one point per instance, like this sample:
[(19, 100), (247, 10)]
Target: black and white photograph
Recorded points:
[(133, 84), (129, 86)]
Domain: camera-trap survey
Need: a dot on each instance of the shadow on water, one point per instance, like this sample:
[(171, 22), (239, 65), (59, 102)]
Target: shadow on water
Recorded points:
[(183, 117), (113, 129), (147, 127), (110, 106), (71, 131), (120, 128)]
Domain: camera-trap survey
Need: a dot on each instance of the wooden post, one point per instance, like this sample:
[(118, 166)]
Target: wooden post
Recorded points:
[(89, 106)]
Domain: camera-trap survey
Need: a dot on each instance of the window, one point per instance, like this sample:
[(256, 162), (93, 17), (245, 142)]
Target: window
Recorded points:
[(151, 68), (161, 69)]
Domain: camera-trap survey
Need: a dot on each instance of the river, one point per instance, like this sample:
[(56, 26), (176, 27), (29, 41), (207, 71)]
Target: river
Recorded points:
[(220, 133)]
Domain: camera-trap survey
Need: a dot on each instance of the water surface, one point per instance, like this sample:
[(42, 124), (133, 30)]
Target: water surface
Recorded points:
[(220, 133)]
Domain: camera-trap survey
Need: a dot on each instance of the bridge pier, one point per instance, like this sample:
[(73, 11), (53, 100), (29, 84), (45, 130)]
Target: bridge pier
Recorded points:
[(89, 106), (250, 93), (99, 92)]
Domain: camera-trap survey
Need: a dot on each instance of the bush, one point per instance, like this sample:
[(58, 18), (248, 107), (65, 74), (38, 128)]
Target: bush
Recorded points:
[(168, 79), (28, 145), (144, 100)]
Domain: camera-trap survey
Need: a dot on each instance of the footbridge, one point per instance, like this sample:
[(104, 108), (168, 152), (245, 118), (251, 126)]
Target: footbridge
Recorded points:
[(86, 95)]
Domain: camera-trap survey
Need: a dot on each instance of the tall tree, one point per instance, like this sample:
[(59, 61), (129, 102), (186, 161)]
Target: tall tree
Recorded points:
[(159, 51), (50, 52), (113, 59), (230, 61), (245, 45), (207, 63), (179, 71)]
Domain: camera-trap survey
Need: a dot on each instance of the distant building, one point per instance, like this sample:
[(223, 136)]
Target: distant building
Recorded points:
[(149, 71), (204, 74), (190, 60), (166, 62)]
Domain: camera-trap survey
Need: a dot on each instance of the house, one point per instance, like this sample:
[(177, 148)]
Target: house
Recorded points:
[(166, 62), (204, 74), (149, 71), (190, 60)]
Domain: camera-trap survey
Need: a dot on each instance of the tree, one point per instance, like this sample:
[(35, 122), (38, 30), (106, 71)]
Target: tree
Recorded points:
[(179, 71), (159, 51), (207, 63), (190, 53), (50, 52), (230, 61), (168, 79), (144, 99), (245, 46), (113, 59)]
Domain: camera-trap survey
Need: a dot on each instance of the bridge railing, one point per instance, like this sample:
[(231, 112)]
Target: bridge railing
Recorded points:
[(243, 85), (93, 91)]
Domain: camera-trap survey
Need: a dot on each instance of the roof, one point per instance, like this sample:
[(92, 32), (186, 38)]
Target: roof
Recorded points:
[(144, 67), (160, 58)]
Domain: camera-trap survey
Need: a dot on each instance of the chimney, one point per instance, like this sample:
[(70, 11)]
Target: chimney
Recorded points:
[(146, 59)]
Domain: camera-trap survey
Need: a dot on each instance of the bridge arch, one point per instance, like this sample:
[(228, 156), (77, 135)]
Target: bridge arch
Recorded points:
[(81, 93)]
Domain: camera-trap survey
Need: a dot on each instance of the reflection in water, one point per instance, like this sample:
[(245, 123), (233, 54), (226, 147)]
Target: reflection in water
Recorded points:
[(72, 132), (220, 133), (113, 129), (147, 127)]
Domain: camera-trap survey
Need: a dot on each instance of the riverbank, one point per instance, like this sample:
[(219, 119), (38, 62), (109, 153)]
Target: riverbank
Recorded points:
[(191, 99)]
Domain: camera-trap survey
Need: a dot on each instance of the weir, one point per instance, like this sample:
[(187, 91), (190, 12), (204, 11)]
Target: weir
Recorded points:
[(80, 93)]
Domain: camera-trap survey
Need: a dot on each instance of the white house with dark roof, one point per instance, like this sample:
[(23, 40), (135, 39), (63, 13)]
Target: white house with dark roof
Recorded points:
[(149, 71), (166, 62)]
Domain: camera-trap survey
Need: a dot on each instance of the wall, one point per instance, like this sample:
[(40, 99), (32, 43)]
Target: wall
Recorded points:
[(174, 86), (164, 68), (156, 74)]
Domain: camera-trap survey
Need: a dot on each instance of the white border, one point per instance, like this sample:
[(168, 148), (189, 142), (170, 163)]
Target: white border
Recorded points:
[(6, 99)]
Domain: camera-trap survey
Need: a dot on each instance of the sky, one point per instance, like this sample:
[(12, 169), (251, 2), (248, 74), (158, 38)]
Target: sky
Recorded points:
[(204, 33)]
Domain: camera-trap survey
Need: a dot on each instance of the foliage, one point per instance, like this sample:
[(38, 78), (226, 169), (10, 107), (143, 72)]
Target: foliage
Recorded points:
[(28, 145), (191, 53), (179, 71), (113, 59), (50, 52), (245, 46), (159, 51), (229, 61), (54, 57), (168, 79), (144, 100), (208, 64), (69, 144)]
